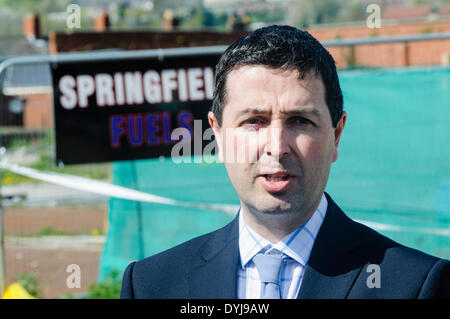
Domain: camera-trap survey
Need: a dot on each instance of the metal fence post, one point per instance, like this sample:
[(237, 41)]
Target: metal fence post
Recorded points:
[(2, 242)]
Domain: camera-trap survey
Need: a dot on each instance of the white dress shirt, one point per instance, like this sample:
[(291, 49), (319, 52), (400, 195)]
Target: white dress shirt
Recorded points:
[(297, 245)]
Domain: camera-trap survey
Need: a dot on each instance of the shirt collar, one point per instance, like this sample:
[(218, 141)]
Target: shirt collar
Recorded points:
[(297, 245)]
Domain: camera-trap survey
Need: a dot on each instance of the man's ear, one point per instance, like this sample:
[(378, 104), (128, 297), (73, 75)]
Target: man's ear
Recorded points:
[(217, 133), (337, 134)]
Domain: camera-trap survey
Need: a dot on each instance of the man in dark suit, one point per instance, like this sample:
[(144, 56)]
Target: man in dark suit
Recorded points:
[(278, 117)]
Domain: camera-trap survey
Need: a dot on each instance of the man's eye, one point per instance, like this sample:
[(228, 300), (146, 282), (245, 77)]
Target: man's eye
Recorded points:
[(254, 121), (301, 120)]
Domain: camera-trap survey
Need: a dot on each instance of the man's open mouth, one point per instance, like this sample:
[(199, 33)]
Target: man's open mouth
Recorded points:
[(276, 177)]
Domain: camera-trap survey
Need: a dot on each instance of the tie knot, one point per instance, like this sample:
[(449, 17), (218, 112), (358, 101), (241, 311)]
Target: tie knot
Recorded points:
[(269, 267)]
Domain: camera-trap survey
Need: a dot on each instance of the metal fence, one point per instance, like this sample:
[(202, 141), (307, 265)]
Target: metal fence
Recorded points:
[(46, 227)]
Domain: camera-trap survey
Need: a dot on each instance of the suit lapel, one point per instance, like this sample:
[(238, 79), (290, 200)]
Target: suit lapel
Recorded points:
[(334, 263), (332, 268), (214, 273)]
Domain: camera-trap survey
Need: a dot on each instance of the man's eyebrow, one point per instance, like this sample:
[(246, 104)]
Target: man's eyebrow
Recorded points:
[(314, 112), (304, 112), (253, 111)]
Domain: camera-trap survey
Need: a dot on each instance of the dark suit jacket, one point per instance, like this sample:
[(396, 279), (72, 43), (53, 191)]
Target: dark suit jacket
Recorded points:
[(206, 266)]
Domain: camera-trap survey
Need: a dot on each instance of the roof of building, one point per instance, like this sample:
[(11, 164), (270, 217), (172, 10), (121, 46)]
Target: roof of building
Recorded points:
[(14, 46), (445, 9), (27, 78), (405, 12), (24, 79)]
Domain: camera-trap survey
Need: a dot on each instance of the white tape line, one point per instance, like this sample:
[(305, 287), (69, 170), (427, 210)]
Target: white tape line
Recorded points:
[(422, 230), (110, 190)]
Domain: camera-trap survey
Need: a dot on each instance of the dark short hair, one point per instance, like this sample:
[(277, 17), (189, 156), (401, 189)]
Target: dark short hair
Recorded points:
[(280, 47)]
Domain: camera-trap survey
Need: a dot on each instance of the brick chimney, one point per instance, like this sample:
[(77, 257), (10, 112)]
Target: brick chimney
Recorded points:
[(31, 26), (169, 21), (101, 22)]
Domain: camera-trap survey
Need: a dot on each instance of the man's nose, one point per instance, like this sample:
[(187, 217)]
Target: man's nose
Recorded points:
[(277, 142)]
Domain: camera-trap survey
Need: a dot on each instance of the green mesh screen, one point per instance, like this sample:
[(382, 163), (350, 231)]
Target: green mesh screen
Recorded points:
[(393, 172)]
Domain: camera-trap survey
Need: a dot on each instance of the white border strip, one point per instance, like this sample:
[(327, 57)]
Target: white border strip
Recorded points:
[(422, 230), (111, 190)]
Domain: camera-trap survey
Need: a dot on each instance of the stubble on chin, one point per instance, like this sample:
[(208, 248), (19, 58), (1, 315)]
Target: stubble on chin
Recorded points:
[(276, 205)]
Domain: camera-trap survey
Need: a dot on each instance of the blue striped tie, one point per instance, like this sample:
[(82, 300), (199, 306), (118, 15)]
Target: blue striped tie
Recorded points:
[(269, 267)]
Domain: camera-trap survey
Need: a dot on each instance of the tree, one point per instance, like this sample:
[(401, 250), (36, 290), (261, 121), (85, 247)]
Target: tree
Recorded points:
[(307, 12)]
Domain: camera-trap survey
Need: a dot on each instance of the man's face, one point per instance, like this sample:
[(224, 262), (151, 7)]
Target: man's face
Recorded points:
[(276, 139)]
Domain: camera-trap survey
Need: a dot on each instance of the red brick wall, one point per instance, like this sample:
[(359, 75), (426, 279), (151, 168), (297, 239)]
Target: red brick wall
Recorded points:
[(389, 54), (37, 112), (393, 54), (362, 31), (429, 52)]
